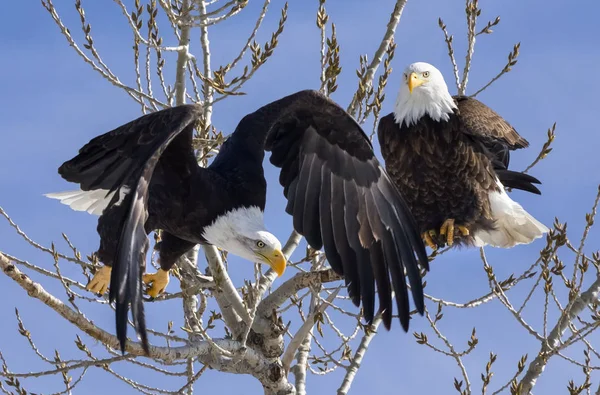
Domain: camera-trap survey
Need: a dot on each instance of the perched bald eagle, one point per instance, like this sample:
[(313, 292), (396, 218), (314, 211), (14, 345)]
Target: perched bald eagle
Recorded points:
[(449, 158), (143, 176)]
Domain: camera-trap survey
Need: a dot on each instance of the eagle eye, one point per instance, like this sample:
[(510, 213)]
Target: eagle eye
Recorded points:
[(260, 244), (426, 74)]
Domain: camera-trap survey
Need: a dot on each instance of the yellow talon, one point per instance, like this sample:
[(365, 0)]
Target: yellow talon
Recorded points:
[(428, 239), (157, 282), (99, 283), (447, 229)]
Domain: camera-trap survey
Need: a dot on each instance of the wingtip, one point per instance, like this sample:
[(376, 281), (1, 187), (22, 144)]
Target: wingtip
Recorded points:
[(421, 309), (145, 346), (419, 303), (121, 324), (387, 320), (404, 321), (122, 346)]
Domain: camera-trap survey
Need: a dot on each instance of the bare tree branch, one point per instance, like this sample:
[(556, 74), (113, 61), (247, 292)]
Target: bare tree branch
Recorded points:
[(356, 361), (248, 361), (552, 342), (304, 330), (378, 56)]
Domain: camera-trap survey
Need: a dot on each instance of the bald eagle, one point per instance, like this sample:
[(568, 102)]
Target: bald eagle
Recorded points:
[(143, 176), (449, 158)]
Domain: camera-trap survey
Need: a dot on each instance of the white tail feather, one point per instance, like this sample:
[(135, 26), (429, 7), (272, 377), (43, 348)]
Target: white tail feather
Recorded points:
[(513, 224), (94, 202)]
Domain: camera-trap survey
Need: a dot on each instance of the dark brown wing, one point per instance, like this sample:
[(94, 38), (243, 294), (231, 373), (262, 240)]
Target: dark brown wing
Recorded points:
[(496, 138), (342, 199), (480, 120), (126, 157)]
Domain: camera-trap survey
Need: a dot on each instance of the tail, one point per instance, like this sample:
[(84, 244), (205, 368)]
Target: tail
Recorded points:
[(513, 225), (94, 201), (518, 180)]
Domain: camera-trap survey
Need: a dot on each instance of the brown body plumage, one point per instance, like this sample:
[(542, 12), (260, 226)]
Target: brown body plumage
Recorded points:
[(447, 169)]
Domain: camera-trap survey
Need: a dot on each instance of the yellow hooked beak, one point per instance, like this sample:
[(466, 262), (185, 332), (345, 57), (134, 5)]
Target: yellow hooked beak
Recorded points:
[(414, 81), (276, 260)]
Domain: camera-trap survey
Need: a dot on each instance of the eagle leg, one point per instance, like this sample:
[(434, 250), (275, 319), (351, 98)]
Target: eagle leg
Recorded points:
[(428, 237), (157, 282), (99, 283), (447, 229)]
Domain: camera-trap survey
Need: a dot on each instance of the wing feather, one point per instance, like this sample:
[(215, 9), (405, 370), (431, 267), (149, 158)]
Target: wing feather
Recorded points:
[(398, 282), (366, 283), (481, 121), (326, 222), (493, 136), (310, 223), (291, 195), (341, 239), (300, 195), (396, 252), (403, 247), (331, 178), (380, 262), (127, 156)]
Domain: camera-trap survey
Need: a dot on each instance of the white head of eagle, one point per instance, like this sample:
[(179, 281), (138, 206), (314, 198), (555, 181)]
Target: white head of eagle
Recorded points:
[(423, 91), (242, 232)]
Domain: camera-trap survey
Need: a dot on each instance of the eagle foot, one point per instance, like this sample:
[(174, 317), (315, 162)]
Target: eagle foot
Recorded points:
[(448, 229), (428, 237), (99, 283), (156, 282)]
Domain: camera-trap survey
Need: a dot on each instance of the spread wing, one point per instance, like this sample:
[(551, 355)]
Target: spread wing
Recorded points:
[(342, 199), (496, 138), (124, 160)]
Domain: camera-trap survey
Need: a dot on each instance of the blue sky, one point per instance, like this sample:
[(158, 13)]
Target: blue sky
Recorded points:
[(53, 103)]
